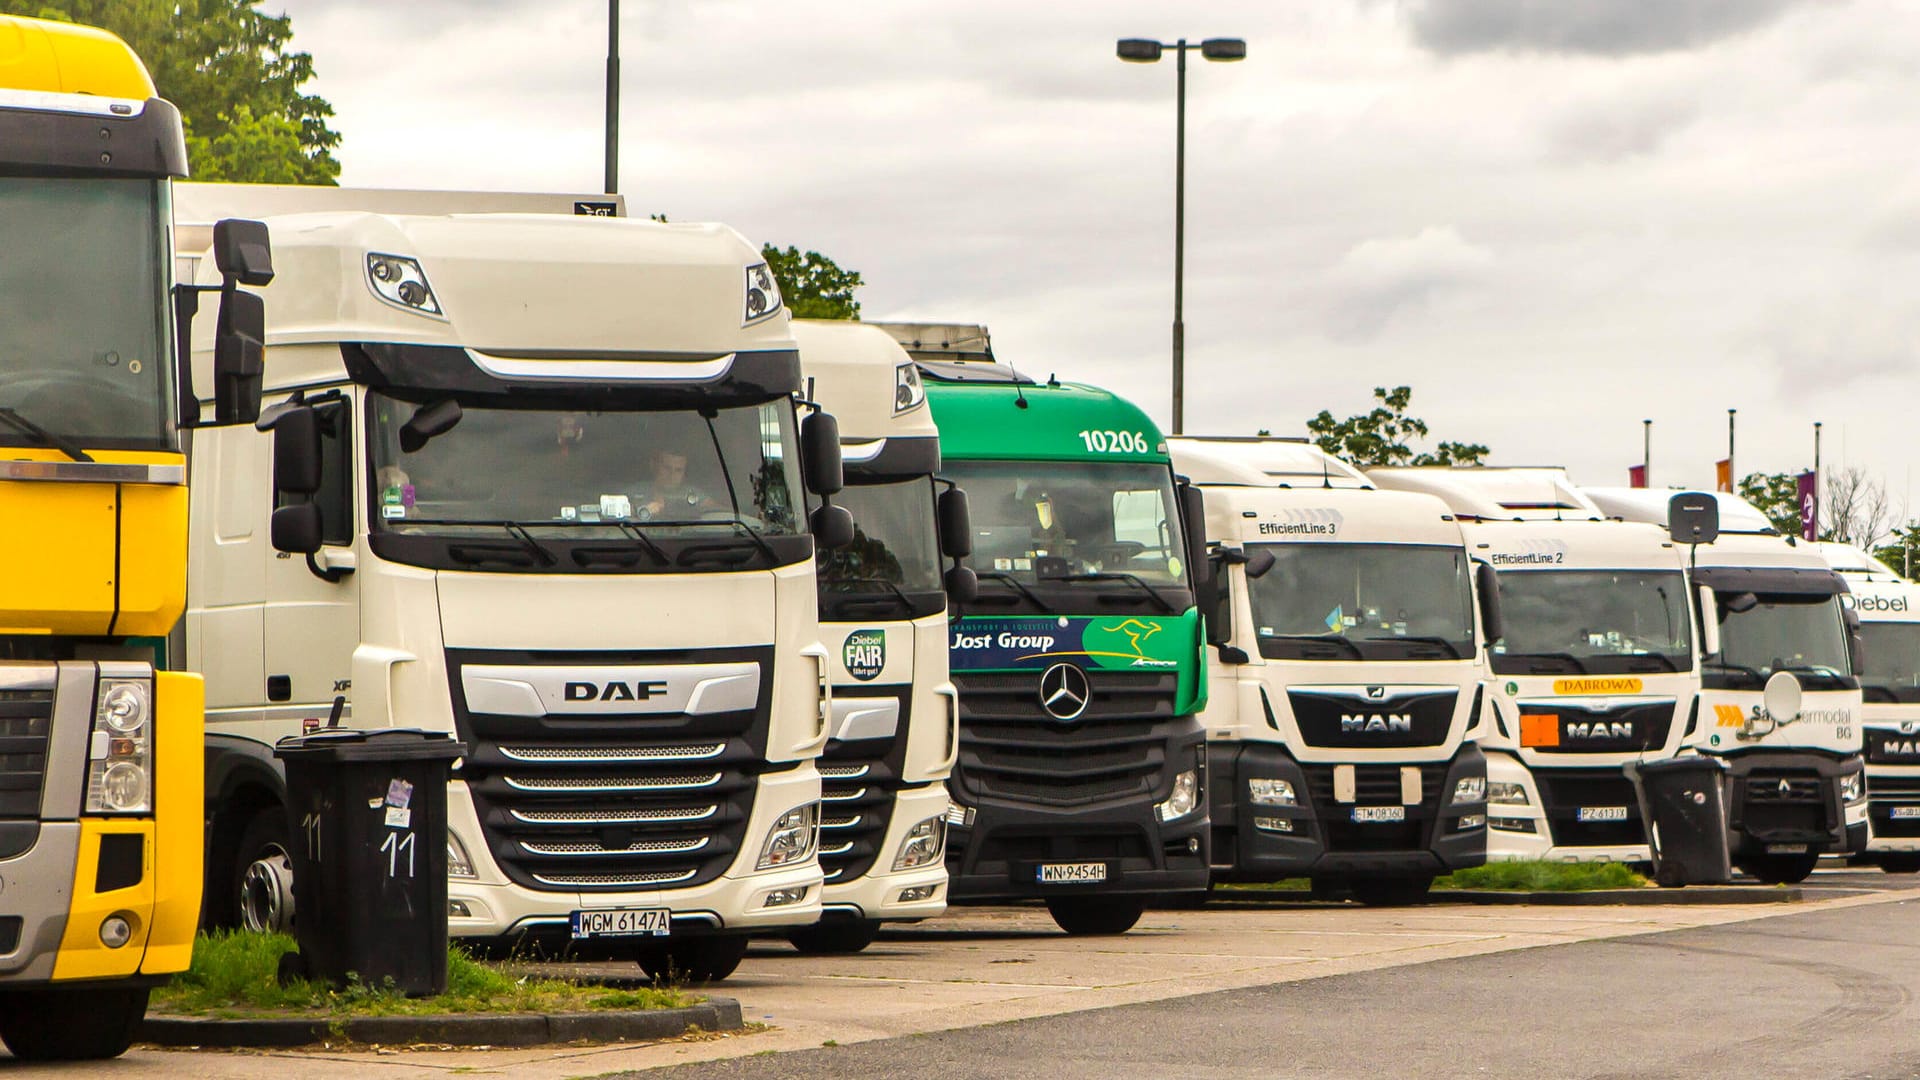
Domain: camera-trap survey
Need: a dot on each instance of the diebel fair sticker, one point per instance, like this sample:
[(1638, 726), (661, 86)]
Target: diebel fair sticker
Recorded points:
[(1033, 642), (865, 654), (1608, 684)]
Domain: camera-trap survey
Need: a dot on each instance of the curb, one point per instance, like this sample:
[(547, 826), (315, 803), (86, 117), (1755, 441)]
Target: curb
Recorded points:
[(1691, 895), (497, 1030)]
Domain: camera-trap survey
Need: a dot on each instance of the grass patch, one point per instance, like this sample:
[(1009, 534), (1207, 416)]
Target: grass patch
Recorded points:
[(1540, 876), (1292, 884), (235, 974)]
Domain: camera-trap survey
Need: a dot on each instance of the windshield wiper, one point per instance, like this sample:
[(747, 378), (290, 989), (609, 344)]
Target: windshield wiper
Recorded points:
[(1569, 659), (1326, 639), (1002, 575), (640, 537), (1729, 665), (1428, 639), (897, 593), (538, 550), (13, 419), (1665, 661), (1116, 575)]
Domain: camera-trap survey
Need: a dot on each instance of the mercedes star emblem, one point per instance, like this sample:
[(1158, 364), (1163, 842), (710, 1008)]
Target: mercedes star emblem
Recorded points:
[(1064, 691)]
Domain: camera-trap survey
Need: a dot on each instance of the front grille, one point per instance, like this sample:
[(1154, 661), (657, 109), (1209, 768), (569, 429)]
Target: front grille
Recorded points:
[(1011, 748), (1564, 791), (1785, 803), (1374, 785), (1884, 794), (1783, 788), (613, 802), (1620, 729), (1886, 747), (859, 780), (1353, 720), (26, 717)]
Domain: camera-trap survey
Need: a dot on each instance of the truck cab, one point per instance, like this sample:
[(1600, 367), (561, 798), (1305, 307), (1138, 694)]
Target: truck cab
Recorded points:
[(1797, 786), (1888, 607), (535, 481), (1345, 675)]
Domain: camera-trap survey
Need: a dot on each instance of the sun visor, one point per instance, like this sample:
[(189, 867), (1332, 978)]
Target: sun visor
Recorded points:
[(1806, 581)]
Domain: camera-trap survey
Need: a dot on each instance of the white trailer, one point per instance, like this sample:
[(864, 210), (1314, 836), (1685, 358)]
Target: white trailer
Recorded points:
[(536, 481), (1346, 674), (1889, 610)]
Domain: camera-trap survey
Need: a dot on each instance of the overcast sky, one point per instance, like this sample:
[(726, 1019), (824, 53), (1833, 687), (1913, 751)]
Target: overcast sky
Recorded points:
[(1553, 218)]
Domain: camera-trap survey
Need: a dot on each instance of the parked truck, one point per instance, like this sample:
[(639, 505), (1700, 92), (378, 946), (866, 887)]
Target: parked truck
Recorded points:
[(100, 780), (1888, 607), (883, 618), (1797, 784), (535, 481), (1597, 667), (1345, 678), (1081, 778)]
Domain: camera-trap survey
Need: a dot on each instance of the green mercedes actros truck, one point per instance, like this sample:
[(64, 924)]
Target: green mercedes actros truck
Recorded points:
[(1081, 777)]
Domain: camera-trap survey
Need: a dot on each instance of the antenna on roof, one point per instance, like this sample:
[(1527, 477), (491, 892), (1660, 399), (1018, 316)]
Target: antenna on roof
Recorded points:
[(1326, 476), (1019, 396)]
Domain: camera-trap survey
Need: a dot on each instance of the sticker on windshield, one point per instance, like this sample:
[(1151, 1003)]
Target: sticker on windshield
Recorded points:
[(865, 654), (1618, 684)]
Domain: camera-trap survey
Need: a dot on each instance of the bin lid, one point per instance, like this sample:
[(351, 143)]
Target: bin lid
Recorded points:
[(384, 744), (1685, 763)]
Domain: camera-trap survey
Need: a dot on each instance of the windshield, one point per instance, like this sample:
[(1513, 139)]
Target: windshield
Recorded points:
[(1594, 621), (1801, 633), (559, 472), (84, 350), (1039, 521), (894, 546), (1890, 654), (1362, 602)]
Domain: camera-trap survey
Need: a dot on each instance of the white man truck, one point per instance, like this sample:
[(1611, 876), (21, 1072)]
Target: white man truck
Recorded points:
[(1796, 783), (533, 481), (1346, 674), (883, 616), (1597, 667), (1889, 610)]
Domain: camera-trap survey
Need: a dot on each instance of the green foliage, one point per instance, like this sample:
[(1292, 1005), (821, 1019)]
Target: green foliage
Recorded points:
[(1776, 495), (815, 287), (1902, 548), (236, 973), (1540, 876), (1381, 436), (226, 66)]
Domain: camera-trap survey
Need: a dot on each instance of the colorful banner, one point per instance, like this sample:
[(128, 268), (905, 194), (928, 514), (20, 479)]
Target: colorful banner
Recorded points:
[(1637, 476), (1723, 475), (1807, 487), (1039, 642)]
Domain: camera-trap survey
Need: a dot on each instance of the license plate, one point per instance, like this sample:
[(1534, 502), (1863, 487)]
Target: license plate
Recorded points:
[(1379, 813), (1906, 811), (1601, 813), (1071, 873), (1786, 849), (623, 922)]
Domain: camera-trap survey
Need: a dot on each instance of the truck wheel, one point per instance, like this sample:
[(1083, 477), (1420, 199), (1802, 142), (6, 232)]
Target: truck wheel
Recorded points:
[(1096, 914), (695, 960), (1778, 869), (1390, 892), (837, 936), (262, 885), (71, 1025), (1902, 863)]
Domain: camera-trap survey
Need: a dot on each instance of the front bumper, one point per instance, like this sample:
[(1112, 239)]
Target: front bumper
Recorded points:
[(1536, 831), (1791, 798), (876, 894), (1893, 808), (1255, 843)]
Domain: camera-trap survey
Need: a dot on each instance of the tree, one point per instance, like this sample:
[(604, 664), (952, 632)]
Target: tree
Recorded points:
[(226, 66), (815, 287), (1777, 495), (1854, 508), (1902, 551), (1380, 437)]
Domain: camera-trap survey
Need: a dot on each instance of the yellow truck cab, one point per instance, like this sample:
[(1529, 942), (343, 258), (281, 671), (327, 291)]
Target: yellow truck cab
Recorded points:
[(100, 749)]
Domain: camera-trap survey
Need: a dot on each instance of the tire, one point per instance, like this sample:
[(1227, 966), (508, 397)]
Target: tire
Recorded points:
[(260, 887), (835, 937), (71, 1025), (1096, 915), (695, 960), (1778, 869), (1390, 892), (1900, 863)]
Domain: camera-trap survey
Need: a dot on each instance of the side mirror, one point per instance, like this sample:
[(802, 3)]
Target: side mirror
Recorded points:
[(1856, 643), (1709, 621), (820, 463), (956, 524), (296, 453), (428, 421), (832, 526), (296, 529), (1193, 521), (1259, 563), (1693, 517), (239, 350), (243, 251), (963, 585), (1487, 583)]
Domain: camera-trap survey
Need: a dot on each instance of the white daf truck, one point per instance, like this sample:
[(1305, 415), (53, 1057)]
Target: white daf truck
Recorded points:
[(535, 481), (1796, 784), (883, 618), (1346, 670), (1598, 666), (1888, 606)]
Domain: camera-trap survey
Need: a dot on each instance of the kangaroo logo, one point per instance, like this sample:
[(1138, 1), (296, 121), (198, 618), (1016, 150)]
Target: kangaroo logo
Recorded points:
[(1137, 632)]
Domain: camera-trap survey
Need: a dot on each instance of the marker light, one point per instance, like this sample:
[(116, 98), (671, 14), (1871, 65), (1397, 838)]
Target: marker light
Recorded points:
[(923, 845), (1184, 799), (907, 391), (120, 753), (793, 837), (1271, 793), (763, 294), (399, 281)]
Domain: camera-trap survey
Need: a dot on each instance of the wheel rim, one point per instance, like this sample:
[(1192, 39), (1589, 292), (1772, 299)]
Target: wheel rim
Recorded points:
[(266, 894)]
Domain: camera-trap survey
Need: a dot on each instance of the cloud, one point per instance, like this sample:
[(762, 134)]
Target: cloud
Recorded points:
[(1593, 27), (1828, 345), (1617, 126), (1378, 280)]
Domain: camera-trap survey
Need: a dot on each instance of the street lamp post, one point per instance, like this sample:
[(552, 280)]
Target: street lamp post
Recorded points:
[(613, 97), (1147, 51)]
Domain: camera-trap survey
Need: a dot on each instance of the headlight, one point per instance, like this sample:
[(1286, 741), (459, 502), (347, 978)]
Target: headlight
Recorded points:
[(907, 391), (793, 837), (1271, 793), (399, 281), (763, 294), (1183, 800), (458, 863), (924, 844), (1506, 791), (1853, 788), (120, 754), (1471, 789)]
